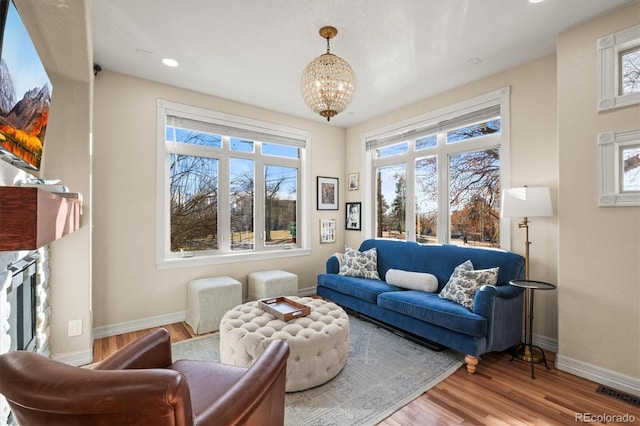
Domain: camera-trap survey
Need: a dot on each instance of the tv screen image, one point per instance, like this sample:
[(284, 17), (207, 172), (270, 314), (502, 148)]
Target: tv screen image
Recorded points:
[(25, 94)]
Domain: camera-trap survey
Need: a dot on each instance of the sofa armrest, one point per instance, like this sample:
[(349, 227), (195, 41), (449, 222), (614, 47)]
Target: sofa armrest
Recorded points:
[(153, 350), (502, 307), (333, 265)]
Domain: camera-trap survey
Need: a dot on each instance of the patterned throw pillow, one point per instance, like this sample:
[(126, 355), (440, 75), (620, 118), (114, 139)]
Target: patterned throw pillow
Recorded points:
[(360, 264), (465, 282)]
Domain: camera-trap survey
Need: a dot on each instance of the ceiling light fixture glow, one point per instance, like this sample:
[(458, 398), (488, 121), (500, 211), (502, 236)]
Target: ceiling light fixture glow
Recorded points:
[(170, 62)]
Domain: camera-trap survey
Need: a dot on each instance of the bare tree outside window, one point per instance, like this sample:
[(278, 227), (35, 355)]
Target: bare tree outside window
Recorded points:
[(241, 199), (630, 71), (281, 187), (194, 203), (391, 217), (427, 199), (474, 194)]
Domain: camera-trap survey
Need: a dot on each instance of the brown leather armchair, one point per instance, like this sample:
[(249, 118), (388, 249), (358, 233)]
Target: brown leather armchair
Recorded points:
[(140, 385)]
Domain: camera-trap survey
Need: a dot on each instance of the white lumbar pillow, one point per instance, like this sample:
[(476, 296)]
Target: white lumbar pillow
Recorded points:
[(412, 280)]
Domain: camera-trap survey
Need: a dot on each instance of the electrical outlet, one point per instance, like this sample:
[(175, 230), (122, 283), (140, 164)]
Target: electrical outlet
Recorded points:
[(75, 327)]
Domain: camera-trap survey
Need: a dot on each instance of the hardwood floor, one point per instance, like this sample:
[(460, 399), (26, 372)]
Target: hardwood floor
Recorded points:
[(501, 392)]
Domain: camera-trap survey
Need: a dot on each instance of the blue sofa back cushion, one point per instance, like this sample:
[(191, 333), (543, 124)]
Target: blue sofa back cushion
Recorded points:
[(392, 255), (441, 260)]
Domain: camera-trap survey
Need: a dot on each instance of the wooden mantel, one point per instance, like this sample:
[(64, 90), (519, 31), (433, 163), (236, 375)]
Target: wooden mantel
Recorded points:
[(31, 217)]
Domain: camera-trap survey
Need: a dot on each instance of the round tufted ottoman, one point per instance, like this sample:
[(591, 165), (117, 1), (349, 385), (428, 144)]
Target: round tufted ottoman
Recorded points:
[(318, 343)]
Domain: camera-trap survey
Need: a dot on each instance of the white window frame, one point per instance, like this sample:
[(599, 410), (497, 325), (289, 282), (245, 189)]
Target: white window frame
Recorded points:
[(610, 168), (165, 258), (499, 97), (609, 73)]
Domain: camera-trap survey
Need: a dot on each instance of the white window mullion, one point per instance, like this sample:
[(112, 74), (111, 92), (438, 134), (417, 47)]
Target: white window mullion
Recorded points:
[(224, 202), (410, 197), (443, 193), (259, 204)]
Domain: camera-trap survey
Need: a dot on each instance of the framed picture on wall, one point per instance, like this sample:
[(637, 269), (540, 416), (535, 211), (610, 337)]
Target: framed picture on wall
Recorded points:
[(327, 188), (354, 181), (354, 216), (327, 231)]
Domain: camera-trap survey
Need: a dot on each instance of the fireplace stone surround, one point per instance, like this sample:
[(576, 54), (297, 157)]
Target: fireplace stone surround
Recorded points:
[(41, 303)]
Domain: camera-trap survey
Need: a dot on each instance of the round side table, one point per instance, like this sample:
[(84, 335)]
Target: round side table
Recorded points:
[(526, 351)]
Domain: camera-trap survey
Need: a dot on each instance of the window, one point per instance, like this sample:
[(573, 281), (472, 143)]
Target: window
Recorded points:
[(437, 178), (619, 69), (230, 188)]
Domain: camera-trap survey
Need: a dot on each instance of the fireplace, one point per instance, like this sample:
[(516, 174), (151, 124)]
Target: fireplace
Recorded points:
[(24, 306), (21, 295)]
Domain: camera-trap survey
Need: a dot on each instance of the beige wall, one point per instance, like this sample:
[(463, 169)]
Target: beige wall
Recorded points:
[(599, 256), (67, 157), (127, 285), (534, 161)]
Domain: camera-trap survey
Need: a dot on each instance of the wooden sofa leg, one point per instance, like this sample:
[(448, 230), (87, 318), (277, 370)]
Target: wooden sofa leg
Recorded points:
[(472, 362)]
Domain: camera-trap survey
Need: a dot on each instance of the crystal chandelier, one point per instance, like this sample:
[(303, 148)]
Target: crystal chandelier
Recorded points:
[(328, 82)]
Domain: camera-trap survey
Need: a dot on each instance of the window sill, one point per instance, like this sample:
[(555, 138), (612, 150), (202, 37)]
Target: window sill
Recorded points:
[(186, 262)]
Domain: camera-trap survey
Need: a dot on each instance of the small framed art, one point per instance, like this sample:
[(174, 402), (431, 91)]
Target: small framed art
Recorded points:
[(327, 231), (327, 188), (353, 181), (354, 216)]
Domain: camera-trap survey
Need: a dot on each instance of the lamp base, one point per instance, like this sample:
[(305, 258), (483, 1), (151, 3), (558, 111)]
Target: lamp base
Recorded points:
[(528, 354)]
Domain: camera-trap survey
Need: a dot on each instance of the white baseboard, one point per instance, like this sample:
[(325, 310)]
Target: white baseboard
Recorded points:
[(546, 343), (75, 358), (135, 325), (309, 291), (599, 375)]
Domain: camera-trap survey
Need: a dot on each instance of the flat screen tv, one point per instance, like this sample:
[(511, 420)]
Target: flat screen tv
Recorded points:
[(25, 93)]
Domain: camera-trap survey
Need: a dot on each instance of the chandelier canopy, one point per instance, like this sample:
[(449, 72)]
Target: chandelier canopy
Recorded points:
[(328, 82)]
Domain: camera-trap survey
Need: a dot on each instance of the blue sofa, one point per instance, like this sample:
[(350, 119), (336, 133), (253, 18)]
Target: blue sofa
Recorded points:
[(494, 324)]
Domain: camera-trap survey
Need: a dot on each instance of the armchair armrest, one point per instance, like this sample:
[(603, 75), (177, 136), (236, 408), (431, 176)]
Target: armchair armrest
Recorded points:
[(152, 350), (257, 395), (44, 391)]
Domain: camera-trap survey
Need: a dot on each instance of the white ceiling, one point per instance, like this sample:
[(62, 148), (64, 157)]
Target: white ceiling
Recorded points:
[(254, 51)]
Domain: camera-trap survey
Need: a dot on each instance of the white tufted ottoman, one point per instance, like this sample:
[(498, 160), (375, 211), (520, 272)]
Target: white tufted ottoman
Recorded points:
[(207, 301), (318, 343), (274, 283)]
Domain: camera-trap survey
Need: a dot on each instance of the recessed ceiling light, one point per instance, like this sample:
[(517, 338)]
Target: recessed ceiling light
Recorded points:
[(170, 62), (536, 1)]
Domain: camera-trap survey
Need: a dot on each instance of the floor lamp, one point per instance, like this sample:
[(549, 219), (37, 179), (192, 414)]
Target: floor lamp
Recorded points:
[(527, 202)]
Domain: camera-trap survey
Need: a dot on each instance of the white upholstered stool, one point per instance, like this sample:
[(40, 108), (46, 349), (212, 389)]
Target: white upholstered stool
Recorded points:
[(318, 343), (273, 283), (207, 301)]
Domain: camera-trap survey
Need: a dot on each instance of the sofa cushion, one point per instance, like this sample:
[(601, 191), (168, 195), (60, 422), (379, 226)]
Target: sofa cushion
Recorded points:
[(361, 288), (430, 308), (393, 254), (465, 282), (412, 280), (360, 264)]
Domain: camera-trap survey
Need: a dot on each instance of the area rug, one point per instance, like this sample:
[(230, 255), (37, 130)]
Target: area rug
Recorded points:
[(384, 372)]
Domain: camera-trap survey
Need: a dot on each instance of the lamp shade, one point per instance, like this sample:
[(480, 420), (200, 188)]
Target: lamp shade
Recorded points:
[(526, 202)]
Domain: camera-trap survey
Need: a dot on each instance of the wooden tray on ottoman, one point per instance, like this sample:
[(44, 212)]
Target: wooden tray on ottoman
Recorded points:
[(284, 309)]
